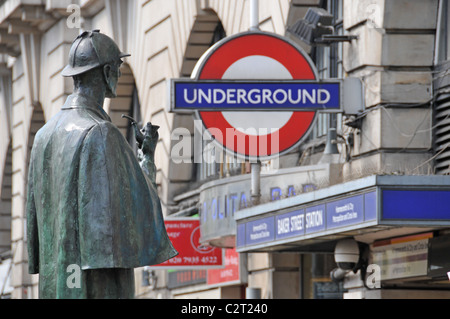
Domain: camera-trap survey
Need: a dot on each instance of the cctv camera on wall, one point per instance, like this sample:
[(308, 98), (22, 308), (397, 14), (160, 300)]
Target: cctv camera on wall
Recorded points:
[(346, 254)]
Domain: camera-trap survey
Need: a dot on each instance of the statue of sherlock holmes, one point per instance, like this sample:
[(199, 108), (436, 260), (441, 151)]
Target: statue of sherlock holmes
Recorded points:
[(91, 204)]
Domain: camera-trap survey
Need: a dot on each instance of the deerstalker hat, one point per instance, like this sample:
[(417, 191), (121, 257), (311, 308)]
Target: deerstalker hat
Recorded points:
[(89, 50)]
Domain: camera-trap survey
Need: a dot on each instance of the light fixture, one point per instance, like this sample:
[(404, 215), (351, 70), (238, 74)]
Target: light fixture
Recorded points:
[(317, 28), (331, 153)]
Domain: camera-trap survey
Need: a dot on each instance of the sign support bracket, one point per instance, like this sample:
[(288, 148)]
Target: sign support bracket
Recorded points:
[(256, 182), (254, 15)]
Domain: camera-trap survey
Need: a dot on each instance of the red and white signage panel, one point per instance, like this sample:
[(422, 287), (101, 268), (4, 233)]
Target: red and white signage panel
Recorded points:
[(230, 273), (184, 235)]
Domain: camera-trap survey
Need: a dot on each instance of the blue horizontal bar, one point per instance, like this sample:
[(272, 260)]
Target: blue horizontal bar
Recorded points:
[(416, 204), (245, 95), (319, 220)]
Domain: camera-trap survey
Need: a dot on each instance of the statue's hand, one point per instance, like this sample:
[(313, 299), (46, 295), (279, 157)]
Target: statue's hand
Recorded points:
[(151, 136)]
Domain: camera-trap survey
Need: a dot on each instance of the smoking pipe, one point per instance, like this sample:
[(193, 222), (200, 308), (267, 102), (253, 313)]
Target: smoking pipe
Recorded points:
[(137, 131), (148, 130)]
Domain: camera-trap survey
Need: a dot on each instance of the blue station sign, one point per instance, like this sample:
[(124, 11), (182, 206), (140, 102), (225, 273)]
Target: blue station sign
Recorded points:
[(309, 221), (375, 203), (288, 95)]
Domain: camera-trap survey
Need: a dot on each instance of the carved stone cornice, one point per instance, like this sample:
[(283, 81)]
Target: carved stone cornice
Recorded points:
[(34, 17)]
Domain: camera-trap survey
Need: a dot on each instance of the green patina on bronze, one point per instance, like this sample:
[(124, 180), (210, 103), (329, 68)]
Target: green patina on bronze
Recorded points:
[(90, 201)]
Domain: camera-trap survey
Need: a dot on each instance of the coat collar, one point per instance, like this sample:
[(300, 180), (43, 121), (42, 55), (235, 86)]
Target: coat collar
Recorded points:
[(78, 101)]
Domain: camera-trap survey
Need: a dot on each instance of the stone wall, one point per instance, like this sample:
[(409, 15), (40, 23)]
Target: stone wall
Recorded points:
[(393, 56)]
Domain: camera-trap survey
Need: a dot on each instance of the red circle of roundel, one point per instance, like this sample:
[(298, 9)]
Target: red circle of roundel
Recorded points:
[(293, 60)]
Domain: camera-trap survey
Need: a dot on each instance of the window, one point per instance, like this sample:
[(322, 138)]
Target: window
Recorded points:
[(218, 163), (328, 60)]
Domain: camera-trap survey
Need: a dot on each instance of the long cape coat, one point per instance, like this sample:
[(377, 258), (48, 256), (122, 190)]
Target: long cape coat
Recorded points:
[(89, 205)]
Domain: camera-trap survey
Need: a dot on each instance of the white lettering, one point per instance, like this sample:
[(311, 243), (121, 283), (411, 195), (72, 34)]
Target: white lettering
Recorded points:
[(252, 98), (190, 309), (216, 99), (374, 278), (299, 97), (259, 227), (182, 150), (74, 279), (283, 226), (314, 219), (266, 93), (321, 100), (206, 97), (185, 95), (346, 207), (280, 92), (344, 217), (230, 96), (259, 235), (297, 222), (257, 96), (73, 20), (241, 96), (311, 97)]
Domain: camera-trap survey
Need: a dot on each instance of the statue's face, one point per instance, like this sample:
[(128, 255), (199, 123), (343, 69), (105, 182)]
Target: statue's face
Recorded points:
[(112, 75)]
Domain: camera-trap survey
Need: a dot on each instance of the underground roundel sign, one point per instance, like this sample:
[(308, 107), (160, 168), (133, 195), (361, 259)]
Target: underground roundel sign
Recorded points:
[(256, 93)]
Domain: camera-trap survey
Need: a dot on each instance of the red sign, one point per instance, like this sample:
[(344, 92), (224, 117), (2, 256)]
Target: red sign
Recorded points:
[(228, 274), (257, 56), (184, 235)]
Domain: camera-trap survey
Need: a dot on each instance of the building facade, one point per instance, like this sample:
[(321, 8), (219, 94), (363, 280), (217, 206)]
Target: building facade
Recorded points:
[(395, 141)]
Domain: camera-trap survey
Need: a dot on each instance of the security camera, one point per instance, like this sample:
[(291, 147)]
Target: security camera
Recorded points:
[(338, 274), (346, 254)]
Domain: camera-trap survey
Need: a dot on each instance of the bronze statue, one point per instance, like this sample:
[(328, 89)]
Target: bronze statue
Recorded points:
[(91, 204)]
